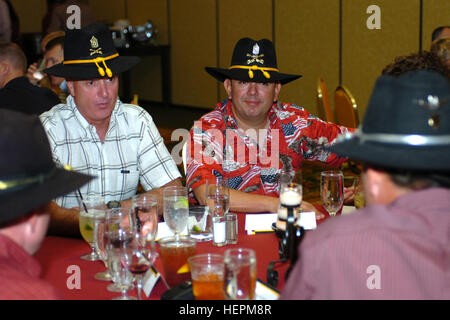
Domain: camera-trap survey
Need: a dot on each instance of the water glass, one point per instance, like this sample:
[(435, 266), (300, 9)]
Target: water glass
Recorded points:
[(145, 209), (176, 209)]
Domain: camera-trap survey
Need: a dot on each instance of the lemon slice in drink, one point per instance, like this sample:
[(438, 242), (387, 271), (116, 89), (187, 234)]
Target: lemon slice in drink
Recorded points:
[(184, 268), (181, 204)]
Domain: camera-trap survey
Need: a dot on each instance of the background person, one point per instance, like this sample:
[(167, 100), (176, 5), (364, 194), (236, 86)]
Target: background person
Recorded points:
[(397, 246), (29, 180), (52, 46), (16, 92), (440, 32)]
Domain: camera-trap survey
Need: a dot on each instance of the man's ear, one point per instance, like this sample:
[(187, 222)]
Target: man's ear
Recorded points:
[(71, 86), (277, 91), (227, 86), (4, 71)]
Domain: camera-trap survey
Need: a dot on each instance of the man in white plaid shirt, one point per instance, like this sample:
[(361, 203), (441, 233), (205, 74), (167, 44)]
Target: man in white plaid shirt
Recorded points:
[(97, 134)]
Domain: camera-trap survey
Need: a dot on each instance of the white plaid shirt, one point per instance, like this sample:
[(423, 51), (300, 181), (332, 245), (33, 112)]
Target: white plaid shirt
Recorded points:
[(133, 151)]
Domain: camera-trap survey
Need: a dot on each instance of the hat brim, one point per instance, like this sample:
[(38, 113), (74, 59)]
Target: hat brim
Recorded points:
[(86, 71), (15, 204), (243, 74), (393, 155)]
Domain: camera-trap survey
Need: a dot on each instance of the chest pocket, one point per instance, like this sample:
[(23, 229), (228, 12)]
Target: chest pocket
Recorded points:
[(130, 180)]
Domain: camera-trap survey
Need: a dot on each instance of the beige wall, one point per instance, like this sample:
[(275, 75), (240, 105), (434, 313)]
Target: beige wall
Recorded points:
[(366, 52), (307, 43), (30, 14), (306, 35)]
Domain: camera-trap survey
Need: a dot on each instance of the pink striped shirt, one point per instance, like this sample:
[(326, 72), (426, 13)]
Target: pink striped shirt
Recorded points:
[(399, 251), (19, 274)]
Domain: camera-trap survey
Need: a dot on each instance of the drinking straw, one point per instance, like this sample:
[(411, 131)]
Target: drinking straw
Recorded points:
[(81, 197)]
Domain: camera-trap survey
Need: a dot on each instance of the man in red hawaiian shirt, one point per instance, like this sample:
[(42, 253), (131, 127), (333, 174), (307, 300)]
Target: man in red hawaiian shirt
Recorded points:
[(251, 136)]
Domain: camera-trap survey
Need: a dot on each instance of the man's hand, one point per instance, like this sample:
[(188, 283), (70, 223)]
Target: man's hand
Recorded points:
[(349, 195), (30, 73)]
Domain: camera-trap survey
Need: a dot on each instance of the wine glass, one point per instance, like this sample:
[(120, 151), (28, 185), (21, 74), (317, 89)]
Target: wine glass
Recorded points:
[(121, 276), (138, 260), (176, 209), (102, 250), (145, 209), (240, 274), (92, 208), (120, 230), (332, 190)]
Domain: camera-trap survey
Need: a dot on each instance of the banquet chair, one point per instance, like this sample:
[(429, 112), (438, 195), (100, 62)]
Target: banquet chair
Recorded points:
[(323, 102), (135, 100), (345, 108)]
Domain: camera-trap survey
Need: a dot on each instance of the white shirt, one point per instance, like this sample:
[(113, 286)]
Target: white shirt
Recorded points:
[(133, 151)]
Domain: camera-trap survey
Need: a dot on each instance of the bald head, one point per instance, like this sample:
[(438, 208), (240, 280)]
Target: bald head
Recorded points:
[(13, 62)]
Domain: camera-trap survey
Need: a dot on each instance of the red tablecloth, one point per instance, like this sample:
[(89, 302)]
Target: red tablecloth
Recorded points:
[(60, 261)]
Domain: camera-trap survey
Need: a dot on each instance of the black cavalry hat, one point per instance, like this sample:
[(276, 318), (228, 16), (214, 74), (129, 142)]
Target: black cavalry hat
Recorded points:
[(89, 53), (28, 175), (406, 125), (253, 61)]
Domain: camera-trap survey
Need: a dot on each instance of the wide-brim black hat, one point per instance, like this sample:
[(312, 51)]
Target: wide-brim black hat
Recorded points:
[(28, 175), (90, 53), (406, 125), (253, 61)]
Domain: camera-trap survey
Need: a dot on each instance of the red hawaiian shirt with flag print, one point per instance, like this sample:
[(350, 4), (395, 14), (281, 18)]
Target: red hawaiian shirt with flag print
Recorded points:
[(252, 162)]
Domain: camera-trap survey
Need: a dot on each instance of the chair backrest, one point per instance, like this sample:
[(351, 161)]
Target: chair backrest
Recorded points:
[(323, 101), (135, 100), (345, 108)]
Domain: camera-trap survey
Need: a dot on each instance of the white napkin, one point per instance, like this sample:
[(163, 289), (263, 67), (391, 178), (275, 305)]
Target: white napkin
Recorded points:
[(260, 222)]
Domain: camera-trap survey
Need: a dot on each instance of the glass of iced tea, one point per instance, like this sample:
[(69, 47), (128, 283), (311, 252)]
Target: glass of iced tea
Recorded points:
[(174, 255), (207, 276)]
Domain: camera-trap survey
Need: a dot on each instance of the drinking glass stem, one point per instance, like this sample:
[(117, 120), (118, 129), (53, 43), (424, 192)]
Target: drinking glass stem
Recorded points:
[(139, 286), (93, 251)]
